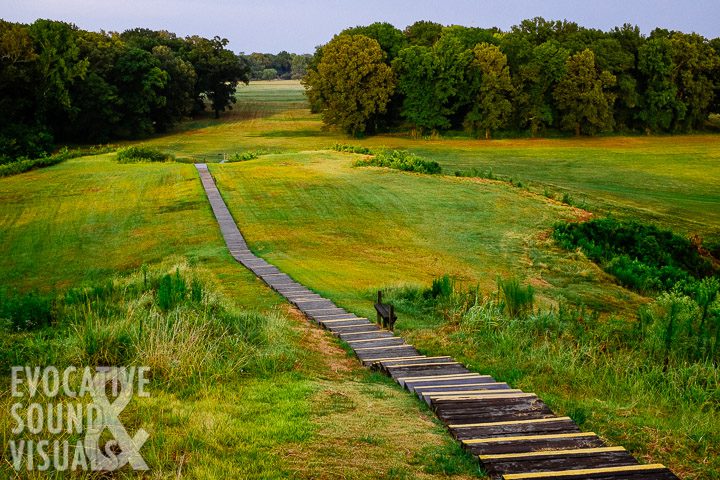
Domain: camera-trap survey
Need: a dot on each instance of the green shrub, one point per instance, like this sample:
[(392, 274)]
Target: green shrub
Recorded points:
[(352, 149), (135, 154), (244, 156), (401, 160), (642, 257)]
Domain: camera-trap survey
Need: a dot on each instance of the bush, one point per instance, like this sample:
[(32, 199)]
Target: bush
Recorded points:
[(352, 149), (244, 156), (142, 154), (401, 160), (642, 257)]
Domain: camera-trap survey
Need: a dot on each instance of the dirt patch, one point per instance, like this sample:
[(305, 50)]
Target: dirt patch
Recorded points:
[(335, 360)]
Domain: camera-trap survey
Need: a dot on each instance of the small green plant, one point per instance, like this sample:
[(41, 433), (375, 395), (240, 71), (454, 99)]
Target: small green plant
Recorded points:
[(567, 199), (517, 299), (136, 154)]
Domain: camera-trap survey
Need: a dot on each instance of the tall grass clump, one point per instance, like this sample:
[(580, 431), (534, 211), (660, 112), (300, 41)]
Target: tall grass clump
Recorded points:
[(168, 321), (401, 160), (26, 311), (134, 154), (517, 299)]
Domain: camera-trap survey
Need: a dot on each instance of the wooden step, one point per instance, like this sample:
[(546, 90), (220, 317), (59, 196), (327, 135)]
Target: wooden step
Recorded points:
[(654, 471)]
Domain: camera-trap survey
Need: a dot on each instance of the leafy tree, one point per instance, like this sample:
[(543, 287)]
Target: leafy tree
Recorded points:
[(269, 74), (179, 89), (58, 66), (612, 56), (20, 132), (417, 70), (583, 95), (140, 83), (282, 63), (96, 98), (299, 66), (452, 81), (390, 39), (695, 61), (492, 105), (352, 84), (535, 81), (660, 106), (218, 72), (423, 33), (715, 106)]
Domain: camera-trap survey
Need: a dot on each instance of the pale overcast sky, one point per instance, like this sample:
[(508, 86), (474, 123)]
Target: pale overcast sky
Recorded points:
[(299, 25)]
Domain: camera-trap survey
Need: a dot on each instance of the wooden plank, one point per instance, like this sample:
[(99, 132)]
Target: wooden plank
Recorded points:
[(447, 388), (340, 320), (370, 340), (424, 360), (364, 349), (438, 377), (532, 443), (515, 422), (658, 472), (365, 335), (552, 453), (554, 460), (536, 426)]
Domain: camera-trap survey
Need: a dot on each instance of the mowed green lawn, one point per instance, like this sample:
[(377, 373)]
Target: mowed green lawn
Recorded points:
[(670, 180), (347, 231)]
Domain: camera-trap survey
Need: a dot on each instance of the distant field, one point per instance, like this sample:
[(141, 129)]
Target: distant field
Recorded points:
[(671, 180)]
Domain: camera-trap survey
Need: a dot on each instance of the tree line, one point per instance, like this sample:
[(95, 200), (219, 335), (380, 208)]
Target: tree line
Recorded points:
[(537, 77), (280, 66), (61, 83)]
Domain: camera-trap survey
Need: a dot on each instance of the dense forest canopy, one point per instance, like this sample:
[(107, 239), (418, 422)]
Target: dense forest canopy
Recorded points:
[(539, 76), (61, 83)]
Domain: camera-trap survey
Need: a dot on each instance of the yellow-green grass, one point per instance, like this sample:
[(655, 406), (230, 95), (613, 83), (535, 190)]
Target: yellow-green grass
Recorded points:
[(347, 232), (90, 219), (671, 180)]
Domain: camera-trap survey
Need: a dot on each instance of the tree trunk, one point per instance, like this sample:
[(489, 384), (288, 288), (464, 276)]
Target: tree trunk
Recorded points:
[(487, 134), (217, 113), (577, 129)]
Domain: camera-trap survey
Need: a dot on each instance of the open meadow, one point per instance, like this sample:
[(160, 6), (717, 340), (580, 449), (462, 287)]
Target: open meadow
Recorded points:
[(297, 405)]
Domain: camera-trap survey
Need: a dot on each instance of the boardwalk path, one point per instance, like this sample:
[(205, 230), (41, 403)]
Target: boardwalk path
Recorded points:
[(514, 434)]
